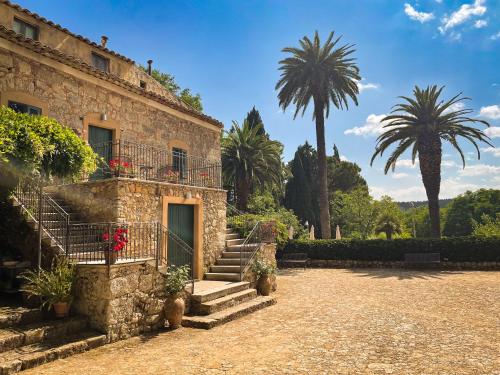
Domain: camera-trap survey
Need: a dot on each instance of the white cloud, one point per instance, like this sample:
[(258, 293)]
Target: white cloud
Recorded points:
[(492, 150), (372, 127), (480, 170), (492, 112), (493, 132), (495, 36), (343, 158), (448, 163), (399, 176), (464, 13), (455, 107), (416, 15), (367, 86), (406, 163), (479, 24), (401, 194)]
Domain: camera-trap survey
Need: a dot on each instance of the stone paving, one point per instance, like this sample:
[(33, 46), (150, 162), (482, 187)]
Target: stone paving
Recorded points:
[(327, 321)]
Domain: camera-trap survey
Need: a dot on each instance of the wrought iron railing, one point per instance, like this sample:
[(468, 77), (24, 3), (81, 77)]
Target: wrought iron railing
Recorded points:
[(250, 247), (101, 243), (133, 160)]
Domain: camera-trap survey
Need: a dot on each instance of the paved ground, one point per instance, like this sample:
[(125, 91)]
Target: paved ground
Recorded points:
[(331, 322)]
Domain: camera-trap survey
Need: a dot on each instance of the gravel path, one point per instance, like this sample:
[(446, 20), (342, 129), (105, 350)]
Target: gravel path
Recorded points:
[(358, 321)]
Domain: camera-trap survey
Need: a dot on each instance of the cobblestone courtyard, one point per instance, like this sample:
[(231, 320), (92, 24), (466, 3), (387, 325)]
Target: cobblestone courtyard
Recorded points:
[(330, 322)]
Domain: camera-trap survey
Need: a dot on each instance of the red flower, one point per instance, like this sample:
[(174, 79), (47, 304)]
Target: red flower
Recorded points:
[(105, 236)]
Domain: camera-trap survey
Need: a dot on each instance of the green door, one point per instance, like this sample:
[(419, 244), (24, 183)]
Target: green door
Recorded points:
[(181, 225), (101, 141)]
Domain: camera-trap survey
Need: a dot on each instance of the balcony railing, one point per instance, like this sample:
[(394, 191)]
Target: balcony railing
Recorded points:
[(133, 160)]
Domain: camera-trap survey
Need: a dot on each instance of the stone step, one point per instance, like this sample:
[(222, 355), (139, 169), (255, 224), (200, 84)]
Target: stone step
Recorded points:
[(224, 316), (232, 236), (225, 268), (228, 262), (33, 355), (245, 248), (222, 303), (229, 230), (15, 315), (235, 254), (235, 241), (17, 336), (214, 293), (221, 276)]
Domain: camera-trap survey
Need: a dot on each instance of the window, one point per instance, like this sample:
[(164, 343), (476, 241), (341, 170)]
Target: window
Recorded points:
[(179, 158), (25, 29), (142, 84), (100, 62), (25, 108)]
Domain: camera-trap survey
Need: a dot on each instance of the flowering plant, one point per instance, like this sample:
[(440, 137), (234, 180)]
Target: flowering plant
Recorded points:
[(119, 238), (172, 176), (119, 166)]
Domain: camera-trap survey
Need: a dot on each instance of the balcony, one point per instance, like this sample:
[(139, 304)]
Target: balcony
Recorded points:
[(127, 159)]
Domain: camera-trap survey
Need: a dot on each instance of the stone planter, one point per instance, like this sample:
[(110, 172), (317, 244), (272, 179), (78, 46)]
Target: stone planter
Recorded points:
[(174, 310), (61, 309), (264, 285)]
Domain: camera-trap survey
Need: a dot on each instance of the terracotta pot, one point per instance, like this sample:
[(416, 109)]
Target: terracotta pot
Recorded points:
[(174, 311), (111, 257), (61, 309), (264, 285)]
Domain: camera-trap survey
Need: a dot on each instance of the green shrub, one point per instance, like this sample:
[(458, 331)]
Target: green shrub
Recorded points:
[(284, 218), (40, 144), (456, 249), (488, 228)]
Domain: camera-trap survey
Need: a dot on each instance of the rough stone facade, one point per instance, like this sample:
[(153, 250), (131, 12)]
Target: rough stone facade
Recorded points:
[(68, 99), (125, 303), (129, 200)]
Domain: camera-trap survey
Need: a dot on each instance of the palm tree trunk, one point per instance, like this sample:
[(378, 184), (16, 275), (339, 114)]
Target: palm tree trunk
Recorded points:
[(242, 193), (429, 155), (388, 234), (324, 205)]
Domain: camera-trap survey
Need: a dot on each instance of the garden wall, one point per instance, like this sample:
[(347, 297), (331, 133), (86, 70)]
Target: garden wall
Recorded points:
[(456, 253), (125, 303)]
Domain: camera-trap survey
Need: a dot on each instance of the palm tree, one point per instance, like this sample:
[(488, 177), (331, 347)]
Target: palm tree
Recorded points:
[(388, 224), (323, 73), (424, 122), (250, 160)]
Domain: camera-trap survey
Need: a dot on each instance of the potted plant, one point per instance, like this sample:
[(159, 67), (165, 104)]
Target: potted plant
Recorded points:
[(264, 271), (118, 241), (120, 168), (176, 280), (53, 287)]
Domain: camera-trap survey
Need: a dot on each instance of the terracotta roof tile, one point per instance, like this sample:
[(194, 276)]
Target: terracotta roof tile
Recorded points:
[(84, 67)]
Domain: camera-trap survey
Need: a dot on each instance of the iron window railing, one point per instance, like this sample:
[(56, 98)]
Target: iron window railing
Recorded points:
[(133, 160)]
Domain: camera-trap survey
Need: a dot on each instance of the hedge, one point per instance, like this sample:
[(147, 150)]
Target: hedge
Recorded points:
[(456, 249)]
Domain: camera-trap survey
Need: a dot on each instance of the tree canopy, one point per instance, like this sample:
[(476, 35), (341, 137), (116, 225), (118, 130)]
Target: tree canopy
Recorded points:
[(168, 81)]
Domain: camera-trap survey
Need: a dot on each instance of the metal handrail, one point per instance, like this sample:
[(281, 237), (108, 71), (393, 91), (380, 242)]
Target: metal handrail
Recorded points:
[(151, 163), (256, 231)]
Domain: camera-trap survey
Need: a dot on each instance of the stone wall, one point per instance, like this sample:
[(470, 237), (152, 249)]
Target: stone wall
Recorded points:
[(125, 303), (318, 263), (69, 99), (130, 200)]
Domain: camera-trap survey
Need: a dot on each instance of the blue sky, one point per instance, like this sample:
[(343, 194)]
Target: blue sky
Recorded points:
[(228, 51)]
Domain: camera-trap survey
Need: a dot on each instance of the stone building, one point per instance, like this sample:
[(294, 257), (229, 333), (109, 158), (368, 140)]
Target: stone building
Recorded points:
[(170, 152)]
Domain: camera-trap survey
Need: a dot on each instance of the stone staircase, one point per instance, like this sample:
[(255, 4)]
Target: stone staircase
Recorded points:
[(28, 340), (217, 302), (227, 267)]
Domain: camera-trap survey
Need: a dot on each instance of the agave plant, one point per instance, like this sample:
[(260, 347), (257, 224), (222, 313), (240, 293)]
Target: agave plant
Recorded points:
[(422, 123)]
